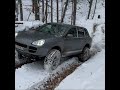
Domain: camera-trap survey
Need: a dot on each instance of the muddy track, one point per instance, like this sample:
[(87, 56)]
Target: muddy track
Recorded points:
[(56, 76)]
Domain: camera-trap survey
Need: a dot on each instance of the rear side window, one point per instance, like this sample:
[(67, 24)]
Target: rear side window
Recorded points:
[(81, 32), (86, 32)]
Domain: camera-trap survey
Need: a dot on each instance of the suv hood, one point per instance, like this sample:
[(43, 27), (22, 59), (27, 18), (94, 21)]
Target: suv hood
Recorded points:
[(27, 37)]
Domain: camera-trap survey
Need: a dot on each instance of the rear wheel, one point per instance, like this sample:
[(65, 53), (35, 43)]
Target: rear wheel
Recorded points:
[(52, 60), (85, 54)]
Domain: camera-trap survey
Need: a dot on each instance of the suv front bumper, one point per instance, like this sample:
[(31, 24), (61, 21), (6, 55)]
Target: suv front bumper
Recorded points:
[(31, 51)]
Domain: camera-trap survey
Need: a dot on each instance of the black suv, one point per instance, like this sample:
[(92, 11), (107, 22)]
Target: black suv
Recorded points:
[(53, 41)]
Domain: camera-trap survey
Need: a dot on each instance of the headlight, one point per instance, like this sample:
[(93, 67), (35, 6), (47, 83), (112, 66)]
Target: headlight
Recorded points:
[(16, 34), (39, 42)]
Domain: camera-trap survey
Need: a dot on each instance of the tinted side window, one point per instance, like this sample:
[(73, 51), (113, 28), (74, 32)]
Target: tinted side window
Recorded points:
[(80, 32), (73, 31), (86, 32)]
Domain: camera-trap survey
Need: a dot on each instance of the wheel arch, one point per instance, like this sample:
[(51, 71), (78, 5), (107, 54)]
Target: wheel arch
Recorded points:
[(87, 45), (57, 47)]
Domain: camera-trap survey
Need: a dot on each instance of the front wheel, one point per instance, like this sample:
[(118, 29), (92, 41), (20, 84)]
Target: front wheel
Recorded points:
[(85, 54), (52, 60)]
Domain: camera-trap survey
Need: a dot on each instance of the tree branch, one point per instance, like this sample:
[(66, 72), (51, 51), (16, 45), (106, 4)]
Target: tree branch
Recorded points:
[(88, 1)]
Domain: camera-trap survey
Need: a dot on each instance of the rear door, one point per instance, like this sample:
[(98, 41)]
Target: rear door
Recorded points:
[(71, 41), (81, 37)]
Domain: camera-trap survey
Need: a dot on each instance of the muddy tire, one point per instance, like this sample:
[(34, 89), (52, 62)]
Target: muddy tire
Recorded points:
[(85, 55), (52, 60)]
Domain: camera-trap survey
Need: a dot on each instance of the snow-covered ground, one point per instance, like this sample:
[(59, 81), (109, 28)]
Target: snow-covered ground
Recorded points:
[(30, 74), (90, 75)]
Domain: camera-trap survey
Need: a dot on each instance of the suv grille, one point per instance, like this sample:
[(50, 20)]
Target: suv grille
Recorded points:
[(31, 49)]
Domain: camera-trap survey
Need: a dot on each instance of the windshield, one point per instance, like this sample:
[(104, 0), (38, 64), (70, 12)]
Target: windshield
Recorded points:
[(54, 29)]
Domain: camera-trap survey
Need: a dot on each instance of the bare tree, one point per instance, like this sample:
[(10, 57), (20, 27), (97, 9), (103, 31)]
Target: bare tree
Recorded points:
[(46, 11), (57, 11), (21, 10), (39, 5), (51, 10), (94, 9), (37, 17), (43, 11), (63, 15), (62, 6), (74, 12), (90, 5), (33, 6)]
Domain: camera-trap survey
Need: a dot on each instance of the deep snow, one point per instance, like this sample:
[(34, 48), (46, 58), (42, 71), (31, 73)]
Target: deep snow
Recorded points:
[(88, 76)]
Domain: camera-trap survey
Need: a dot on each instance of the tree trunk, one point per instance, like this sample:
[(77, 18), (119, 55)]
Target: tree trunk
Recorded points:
[(63, 15), (33, 6), (36, 10), (94, 9), (74, 14), (57, 11), (21, 10), (39, 5), (89, 9), (46, 10), (43, 11), (51, 10), (62, 6)]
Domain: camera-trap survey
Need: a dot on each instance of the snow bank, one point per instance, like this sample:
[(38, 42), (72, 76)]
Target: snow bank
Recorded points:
[(88, 76), (98, 37)]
